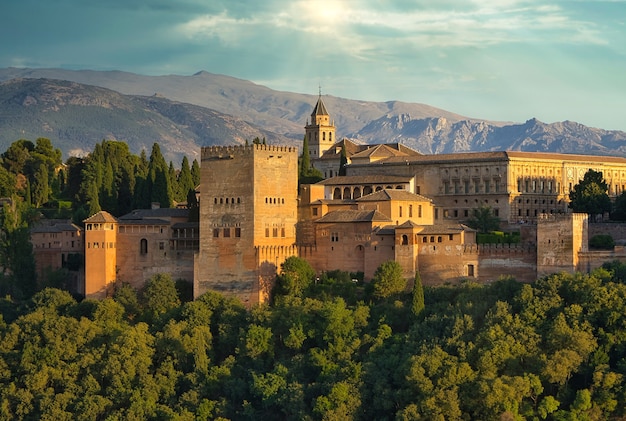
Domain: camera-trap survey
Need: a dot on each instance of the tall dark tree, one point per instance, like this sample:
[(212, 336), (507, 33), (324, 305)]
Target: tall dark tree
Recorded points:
[(590, 196), (343, 161), (305, 158), (18, 278), (484, 220), (185, 180), (158, 178), (619, 208), (142, 186), (417, 302), (41, 189), (195, 172), (307, 174)]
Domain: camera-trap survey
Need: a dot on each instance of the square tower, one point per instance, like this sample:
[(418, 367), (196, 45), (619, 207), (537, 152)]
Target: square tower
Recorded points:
[(248, 216)]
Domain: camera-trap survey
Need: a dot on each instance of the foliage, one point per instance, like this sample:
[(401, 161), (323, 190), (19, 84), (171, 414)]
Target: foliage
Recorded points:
[(388, 280), (417, 301), (296, 275), (590, 196), (552, 349), (498, 237), (618, 212), (484, 220), (307, 174), (602, 242)]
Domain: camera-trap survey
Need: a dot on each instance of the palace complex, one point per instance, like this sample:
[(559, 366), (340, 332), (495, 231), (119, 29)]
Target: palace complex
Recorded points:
[(393, 204)]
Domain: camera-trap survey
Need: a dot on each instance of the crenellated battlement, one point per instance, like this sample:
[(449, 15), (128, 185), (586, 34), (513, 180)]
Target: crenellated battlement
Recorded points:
[(499, 249), (231, 151)]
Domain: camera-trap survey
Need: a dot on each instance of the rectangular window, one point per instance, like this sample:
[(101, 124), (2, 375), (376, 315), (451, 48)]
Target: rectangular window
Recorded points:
[(275, 232), (419, 211), (450, 237), (400, 211), (282, 232), (226, 232), (237, 232), (466, 186), (267, 232), (410, 211), (314, 211), (216, 232)]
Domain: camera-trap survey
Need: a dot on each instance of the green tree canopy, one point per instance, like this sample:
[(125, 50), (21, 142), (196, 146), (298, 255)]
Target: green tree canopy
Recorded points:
[(484, 220), (590, 196), (388, 280)]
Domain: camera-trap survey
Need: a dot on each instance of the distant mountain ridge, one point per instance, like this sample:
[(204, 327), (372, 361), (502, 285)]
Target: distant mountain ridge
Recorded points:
[(184, 113)]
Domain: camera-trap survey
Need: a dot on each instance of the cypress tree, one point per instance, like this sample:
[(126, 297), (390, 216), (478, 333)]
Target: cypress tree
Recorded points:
[(305, 158), (195, 173), (417, 303), (185, 180), (343, 161)]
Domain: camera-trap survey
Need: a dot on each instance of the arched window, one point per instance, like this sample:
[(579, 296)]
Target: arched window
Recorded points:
[(330, 136), (346, 193), (337, 193), (143, 246), (323, 135), (405, 239)]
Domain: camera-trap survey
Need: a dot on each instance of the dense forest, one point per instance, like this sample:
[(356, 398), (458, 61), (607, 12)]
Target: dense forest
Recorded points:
[(36, 184), (324, 349)]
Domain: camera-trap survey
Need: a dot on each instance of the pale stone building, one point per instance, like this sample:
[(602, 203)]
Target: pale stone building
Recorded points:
[(58, 244), (248, 216)]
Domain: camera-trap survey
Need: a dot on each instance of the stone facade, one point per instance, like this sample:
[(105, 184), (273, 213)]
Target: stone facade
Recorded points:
[(248, 216), (58, 244), (393, 204), (518, 186)]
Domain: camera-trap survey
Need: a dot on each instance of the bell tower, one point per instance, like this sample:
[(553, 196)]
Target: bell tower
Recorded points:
[(320, 132)]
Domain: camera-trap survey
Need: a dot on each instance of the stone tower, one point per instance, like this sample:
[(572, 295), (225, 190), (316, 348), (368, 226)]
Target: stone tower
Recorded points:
[(320, 132), (100, 253), (248, 216), (560, 239)]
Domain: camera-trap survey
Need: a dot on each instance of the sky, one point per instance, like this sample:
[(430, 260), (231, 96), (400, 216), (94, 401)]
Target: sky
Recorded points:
[(504, 60)]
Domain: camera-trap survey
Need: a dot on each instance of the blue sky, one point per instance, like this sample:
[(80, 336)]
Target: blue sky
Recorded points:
[(505, 60)]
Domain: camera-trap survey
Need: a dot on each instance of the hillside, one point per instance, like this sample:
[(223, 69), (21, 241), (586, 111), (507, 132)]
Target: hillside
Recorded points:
[(186, 112), (76, 117)]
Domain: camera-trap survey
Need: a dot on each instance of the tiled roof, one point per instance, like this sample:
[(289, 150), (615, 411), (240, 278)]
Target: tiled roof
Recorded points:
[(54, 225), (354, 150), (378, 150), (353, 216), (445, 229), (344, 180), (496, 156), (320, 109), (393, 194), (100, 218), (147, 221), (156, 213)]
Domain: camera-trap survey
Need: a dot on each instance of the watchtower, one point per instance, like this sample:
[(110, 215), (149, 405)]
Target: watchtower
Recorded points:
[(248, 216)]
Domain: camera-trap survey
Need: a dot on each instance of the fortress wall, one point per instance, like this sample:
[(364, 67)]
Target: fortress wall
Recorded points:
[(496, 260), (590, 260), (617, 230)]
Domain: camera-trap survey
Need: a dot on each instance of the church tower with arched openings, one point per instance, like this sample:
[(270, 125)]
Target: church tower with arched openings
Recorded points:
[(320, 132)]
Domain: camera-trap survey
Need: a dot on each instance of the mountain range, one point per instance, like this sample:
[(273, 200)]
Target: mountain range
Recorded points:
[(77, 109)]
